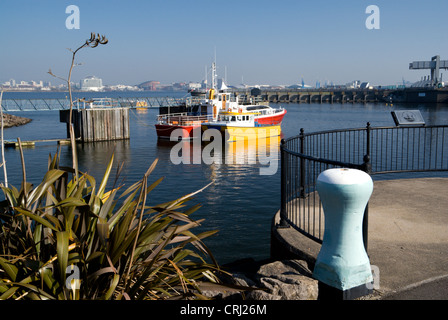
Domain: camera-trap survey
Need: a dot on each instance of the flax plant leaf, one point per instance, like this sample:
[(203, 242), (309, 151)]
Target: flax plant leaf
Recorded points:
[(10, 269), (36, 218), (105, 178), (49, 178), (62, 238)]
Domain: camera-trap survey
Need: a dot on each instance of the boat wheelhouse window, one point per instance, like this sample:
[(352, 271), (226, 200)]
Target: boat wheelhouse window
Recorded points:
[(233, 118), (251, 108)]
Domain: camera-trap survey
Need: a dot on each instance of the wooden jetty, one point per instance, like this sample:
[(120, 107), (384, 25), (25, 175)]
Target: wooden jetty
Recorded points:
[(32, 143), (98, 124)]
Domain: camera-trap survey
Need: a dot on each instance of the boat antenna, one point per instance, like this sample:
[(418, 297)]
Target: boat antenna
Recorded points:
[(214, 75), (215, 82), (206, 83), (225, 74)]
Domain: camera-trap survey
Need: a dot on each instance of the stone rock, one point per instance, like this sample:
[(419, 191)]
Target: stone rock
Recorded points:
[(300, 288), (289, 279), (243, 280), (285, 267), (278, 280), (14, 121), (262, 295)]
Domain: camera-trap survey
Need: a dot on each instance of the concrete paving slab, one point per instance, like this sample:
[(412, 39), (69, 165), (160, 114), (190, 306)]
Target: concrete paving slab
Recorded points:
[(408, 231)]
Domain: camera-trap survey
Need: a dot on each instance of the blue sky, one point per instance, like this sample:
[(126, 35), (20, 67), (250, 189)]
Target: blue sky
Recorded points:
[(263, 42)]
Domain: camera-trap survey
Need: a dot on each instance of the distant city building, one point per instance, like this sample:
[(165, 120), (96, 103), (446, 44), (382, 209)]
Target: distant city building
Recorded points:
[(121, 87), (91, 83), (365, 85), (354, 84), (149, 85), (426, 82), (194, 85)]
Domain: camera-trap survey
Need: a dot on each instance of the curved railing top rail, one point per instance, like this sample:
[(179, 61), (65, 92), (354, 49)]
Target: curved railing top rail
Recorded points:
[(315, 133)]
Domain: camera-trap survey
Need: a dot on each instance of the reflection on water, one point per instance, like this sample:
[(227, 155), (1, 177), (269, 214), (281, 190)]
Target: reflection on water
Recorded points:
[(239, 201), (262, 152), (93, 158)]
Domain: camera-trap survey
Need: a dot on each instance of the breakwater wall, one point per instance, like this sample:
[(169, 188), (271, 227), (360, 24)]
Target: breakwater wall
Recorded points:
[(346, 95)]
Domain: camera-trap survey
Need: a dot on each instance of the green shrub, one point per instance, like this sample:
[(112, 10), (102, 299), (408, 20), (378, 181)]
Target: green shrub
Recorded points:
[(70, 239)]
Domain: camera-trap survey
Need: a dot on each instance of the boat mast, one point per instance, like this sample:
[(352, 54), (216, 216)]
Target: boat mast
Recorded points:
[(214, 84)]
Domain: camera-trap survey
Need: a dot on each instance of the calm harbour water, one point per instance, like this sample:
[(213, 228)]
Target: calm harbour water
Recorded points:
[(240, 203)]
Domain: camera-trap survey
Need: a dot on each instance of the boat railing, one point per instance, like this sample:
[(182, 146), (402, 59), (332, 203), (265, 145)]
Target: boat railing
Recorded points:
[(182, 119), (247, 99), (269, 111), (180, 114)]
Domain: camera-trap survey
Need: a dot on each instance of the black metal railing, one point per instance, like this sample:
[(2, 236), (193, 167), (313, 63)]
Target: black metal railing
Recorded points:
[(374, 150)]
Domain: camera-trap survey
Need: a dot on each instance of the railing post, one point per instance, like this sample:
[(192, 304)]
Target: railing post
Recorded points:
[(283, 182), (368, 131), (302, 164), (366, 167)]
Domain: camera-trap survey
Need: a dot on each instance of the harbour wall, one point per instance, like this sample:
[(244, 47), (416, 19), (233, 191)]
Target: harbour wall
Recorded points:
[(325, 95)]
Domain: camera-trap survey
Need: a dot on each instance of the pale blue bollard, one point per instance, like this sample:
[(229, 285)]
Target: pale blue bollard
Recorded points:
[(342, 262)]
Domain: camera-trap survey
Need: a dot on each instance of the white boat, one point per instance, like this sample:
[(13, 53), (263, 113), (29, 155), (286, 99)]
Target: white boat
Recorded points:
[(222, 100), (217, 101)]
